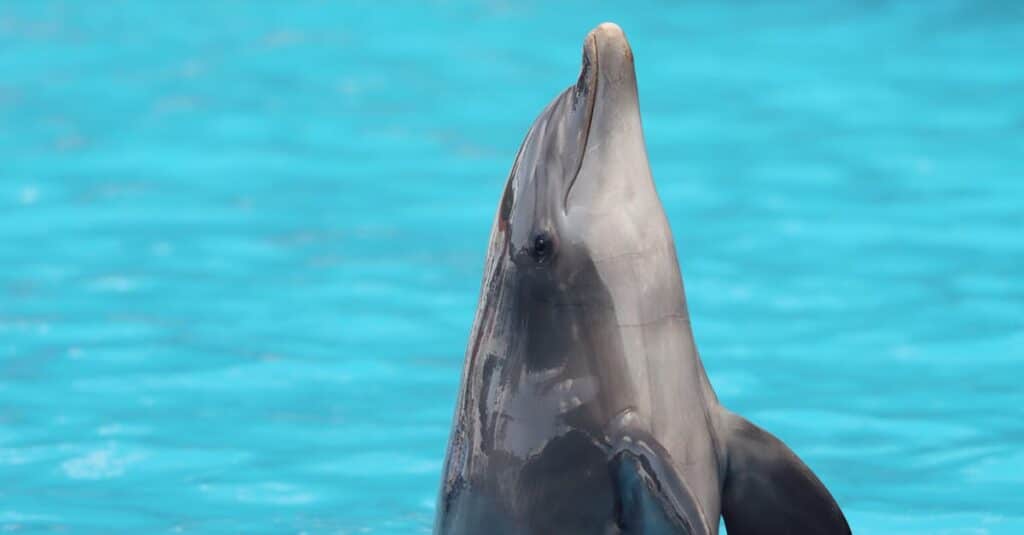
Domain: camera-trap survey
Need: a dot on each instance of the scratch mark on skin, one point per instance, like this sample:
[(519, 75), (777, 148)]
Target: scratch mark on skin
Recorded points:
[(656, 320), (635, 254)]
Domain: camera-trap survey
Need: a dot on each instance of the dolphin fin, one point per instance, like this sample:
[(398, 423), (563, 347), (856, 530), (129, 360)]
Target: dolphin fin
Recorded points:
[(650, 498), (768, 490), (641, 506)]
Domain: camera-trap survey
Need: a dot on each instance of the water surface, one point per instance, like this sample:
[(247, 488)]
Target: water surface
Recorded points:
[(242, 245)]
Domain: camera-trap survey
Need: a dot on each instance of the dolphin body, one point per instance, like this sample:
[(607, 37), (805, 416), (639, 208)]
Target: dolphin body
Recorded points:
[(584, 406)]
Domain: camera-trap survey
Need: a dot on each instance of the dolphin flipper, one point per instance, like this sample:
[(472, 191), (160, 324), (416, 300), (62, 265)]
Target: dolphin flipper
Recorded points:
[(650, 497), (641, 505), (768, 490)]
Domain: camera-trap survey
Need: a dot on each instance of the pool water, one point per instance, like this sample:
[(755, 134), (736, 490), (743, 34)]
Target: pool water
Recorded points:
[(241, 246)]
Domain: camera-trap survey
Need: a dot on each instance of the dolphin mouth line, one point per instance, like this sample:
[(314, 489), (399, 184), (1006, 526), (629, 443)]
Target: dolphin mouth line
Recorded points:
[(591, 102)]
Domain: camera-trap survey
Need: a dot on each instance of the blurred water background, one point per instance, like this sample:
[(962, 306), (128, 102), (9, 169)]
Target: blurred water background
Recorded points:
[(241, 246)]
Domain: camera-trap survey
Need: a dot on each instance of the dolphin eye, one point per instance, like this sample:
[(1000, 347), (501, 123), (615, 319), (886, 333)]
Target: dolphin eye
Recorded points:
[(542, 248)]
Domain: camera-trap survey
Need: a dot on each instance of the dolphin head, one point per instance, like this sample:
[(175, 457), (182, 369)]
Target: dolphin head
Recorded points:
[(580, 224)]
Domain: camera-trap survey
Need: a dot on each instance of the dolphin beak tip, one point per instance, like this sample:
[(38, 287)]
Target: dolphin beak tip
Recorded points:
[(608, 30), (608, 42)]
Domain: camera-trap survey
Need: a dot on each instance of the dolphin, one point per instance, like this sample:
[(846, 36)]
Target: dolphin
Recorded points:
[(584, 407)]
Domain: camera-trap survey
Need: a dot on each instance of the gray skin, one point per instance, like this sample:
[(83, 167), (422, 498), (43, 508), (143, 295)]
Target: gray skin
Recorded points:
[(584, 406)]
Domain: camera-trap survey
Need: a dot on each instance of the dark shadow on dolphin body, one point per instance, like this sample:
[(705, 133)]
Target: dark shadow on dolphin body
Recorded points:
[(584, 406)]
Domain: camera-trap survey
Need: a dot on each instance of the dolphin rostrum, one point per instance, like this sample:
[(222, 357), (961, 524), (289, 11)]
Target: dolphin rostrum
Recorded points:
[(584, 406)]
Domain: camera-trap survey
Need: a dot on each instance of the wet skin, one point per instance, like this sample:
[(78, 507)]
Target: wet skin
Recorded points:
[(584, 405)]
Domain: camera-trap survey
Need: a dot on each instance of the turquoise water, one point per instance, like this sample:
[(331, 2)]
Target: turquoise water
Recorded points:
[(242, 245)]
